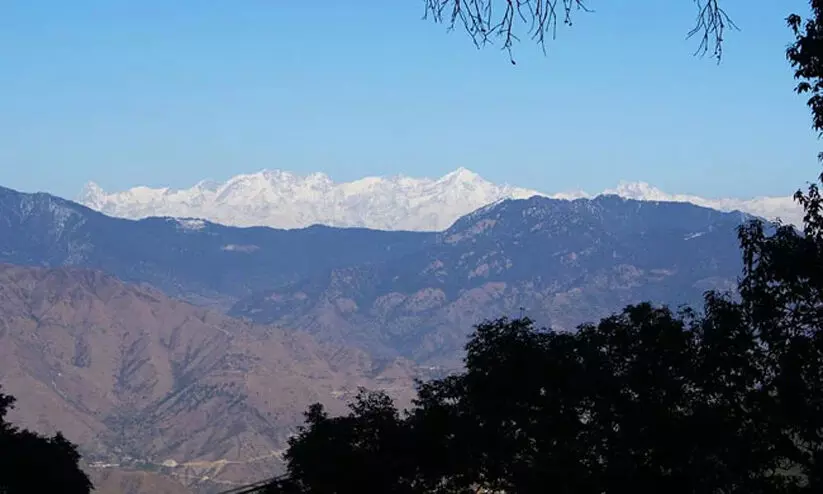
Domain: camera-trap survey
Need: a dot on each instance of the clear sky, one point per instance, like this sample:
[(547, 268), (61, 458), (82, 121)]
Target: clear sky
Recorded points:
[(166, 93)]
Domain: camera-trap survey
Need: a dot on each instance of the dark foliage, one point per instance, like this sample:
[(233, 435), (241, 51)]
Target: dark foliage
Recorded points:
[(32, 463), (805, 58)]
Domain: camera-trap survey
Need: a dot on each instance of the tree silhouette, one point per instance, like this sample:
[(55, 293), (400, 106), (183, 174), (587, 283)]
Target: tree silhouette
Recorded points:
[(368, 447), (805, 57), (32, 463)]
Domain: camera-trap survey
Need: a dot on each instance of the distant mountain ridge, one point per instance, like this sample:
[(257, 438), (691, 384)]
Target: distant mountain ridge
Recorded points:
[(193, 259), (415, 294), (283, 199), (561, 262), (372, 295)]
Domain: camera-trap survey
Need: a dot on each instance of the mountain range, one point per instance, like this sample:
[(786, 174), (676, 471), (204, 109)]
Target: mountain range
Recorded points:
[(410, 294), (196, 260), (283, 199), (560, 262), (181, 349)]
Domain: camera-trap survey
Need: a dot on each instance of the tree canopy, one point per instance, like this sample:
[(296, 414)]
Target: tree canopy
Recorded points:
[(805, 55), (30, 462)]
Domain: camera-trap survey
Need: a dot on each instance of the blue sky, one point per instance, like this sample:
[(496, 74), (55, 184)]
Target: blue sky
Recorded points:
[(162, 93)]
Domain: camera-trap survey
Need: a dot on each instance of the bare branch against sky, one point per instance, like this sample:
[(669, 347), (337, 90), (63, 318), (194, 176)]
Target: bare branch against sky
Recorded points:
[(488, 20)]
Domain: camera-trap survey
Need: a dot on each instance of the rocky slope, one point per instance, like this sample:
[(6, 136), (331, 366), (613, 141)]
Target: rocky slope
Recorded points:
[(120, 481), (560, 262), (141, 381)]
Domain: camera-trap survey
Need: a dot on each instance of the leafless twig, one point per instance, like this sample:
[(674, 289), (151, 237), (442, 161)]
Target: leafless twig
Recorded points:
[(487, 20), (712, 21)]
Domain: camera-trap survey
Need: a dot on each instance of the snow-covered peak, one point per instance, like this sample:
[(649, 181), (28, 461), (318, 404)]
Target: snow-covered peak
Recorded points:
[(640, 191), (461, 175), (210, 185), (784, 208), (284, 199), (90, 193)]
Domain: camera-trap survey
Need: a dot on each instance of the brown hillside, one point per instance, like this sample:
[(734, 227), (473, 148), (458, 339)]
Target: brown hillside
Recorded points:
[(139, 379)]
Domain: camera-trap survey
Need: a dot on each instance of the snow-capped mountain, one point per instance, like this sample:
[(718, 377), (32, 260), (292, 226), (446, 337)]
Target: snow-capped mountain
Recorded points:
[(284, 199), (784, 208)]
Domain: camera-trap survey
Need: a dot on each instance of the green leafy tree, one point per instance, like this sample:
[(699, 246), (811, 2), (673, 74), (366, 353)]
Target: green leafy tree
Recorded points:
[(31, 463)]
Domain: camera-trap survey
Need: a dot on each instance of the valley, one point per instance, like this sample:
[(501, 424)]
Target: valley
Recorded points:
[(137, 378), (448, 247), (182, 353)]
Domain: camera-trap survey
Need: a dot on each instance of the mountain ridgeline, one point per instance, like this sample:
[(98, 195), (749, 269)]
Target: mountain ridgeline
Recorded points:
[(140, 379), (412, 294), (561, 262), (196, 260), (283, 199)]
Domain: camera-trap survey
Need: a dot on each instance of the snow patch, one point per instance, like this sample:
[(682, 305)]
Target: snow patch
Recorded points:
[(240, 248), (192, 224)]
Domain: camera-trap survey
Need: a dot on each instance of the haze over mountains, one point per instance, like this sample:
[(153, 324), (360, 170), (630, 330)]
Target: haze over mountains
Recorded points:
[(283, 199)]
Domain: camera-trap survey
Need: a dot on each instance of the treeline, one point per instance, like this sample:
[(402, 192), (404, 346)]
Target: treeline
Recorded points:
[(728, 399)]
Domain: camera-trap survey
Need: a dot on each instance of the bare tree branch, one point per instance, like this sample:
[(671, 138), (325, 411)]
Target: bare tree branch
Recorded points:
[(712, 21), (488, 20)]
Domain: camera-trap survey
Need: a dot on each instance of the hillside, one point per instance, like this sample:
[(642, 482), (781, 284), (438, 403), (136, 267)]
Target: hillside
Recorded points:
[(202, 262), (413, 294), (560, 262), (140, 380)]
